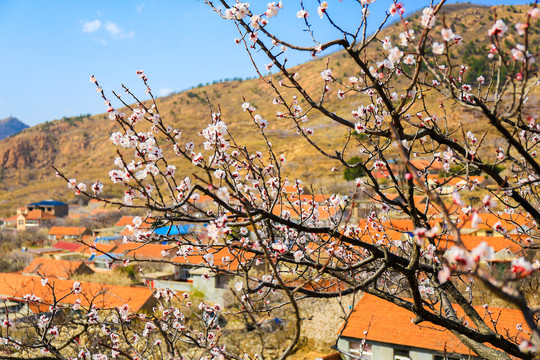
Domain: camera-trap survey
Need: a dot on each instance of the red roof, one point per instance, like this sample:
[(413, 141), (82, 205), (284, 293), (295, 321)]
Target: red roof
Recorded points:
[(69, 246), (388, 323)]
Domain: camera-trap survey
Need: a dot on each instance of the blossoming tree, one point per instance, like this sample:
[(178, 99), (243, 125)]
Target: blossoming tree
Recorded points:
[(404, 90)]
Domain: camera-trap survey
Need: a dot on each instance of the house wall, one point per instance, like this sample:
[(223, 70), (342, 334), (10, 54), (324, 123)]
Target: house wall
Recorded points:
[(382, 351), (174, 285), (417, 355), (21, 222), (208, 286)]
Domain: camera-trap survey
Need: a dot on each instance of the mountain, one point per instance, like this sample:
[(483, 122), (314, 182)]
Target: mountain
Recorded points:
[(11, 126), (80, 146)]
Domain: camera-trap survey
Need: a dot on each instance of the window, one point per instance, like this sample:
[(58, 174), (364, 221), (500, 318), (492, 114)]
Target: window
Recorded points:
[(401, 355), (184, 273), (360, 350), (221, 281)]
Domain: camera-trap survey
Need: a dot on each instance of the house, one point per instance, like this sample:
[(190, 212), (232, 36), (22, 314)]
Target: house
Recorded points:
[(27, 219), (17, 287), (379, 329), (61, 269), (180, 269), (490, 224), (446, 186), (67, 232), (54, 207)]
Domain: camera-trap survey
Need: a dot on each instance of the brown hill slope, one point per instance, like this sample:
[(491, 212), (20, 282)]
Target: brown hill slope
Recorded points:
[(80, 146)]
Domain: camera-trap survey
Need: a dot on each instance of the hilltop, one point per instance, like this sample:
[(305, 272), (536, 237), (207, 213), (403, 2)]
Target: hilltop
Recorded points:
[(80, 146), (11, 126)]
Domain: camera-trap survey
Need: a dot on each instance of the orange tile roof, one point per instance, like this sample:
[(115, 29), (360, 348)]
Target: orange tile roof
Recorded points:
[(124, 220), (421, 164), (154, 252), (224, 258), (143, 251), (67, 230), (487, 220), (96, 248), (498, 243), (401, 225), (11, 218), (453, 181), (385, 322), (128, 220), (62, 269), (305, 209), (16, 286)]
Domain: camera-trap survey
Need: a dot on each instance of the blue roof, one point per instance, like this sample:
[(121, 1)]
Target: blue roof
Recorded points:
[(108, 238), (173, 230), (49, 203), (108, 256)]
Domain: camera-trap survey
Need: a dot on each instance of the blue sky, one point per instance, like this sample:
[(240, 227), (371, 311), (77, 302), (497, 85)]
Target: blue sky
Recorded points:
[(50, 48)]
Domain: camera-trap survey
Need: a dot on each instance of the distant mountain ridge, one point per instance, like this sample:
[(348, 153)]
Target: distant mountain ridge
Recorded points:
[(11, 126)]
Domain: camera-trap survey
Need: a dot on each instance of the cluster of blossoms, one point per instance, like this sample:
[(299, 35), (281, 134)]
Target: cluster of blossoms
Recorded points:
[(238, 11)]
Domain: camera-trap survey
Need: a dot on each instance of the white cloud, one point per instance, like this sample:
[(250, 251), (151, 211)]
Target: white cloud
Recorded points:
[(164, 91), (91, 26), (101, 41), (140, 7), (115, 31)]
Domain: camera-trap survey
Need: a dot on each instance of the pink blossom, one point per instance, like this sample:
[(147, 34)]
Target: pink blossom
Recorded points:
[(443, 275), (396, 8), (302, 14), (428, 19), (456, 199), (321, 10), (327, 75), (526, 346), (521, 267), (438, 49), (498, 29), (360, 127), (448, 34), (520, 28), (534, 13)]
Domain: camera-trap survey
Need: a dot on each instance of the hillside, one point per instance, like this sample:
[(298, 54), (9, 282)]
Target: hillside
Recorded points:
[(11, 126), (80, 146)]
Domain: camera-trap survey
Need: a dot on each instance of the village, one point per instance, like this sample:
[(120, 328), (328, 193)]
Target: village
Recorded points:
[(68, 252)]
